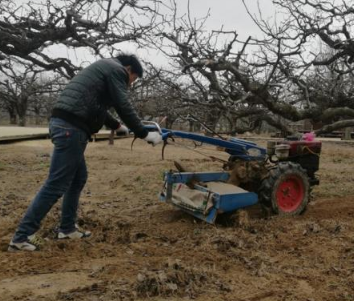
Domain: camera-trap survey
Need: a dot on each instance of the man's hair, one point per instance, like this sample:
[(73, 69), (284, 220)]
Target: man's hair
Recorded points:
[(132, 61)]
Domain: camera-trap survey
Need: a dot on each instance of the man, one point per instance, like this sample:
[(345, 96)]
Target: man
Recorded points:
[(80, 112)]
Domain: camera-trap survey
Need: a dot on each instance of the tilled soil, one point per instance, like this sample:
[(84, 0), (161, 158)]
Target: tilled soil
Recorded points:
[(144, 249)]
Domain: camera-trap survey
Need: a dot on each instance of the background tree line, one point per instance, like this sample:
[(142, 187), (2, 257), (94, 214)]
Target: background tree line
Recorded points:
[(301, 68)]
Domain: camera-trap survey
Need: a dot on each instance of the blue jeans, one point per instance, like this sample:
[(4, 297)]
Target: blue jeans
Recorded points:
[(67, 177)]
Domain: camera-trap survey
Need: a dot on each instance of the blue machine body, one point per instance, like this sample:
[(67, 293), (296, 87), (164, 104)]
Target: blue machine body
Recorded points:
[(218, 200), (243, 149), (229, 200)]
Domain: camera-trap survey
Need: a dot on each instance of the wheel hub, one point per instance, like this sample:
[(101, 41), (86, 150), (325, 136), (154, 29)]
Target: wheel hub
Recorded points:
[(290, 194)]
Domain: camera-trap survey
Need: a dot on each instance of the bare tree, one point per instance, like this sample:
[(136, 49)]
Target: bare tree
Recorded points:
[(21, 86), (273, 79), (7, 105), (42, 104), (30, 30), (155, 96), (319, 72)]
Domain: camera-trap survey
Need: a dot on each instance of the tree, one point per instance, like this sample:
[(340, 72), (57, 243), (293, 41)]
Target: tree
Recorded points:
[(20, 87), (7, 105), (31, 31), (41, 105), (155, 96), (328, 83), (273, 79)]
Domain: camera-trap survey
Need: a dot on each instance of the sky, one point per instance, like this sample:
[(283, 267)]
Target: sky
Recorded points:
[(229, 14)]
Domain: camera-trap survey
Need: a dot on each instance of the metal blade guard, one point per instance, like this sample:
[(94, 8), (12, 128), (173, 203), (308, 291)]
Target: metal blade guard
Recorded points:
[(205, 194)]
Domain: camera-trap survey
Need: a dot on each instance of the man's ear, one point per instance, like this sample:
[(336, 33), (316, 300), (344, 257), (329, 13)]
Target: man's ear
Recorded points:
[(128, 68)]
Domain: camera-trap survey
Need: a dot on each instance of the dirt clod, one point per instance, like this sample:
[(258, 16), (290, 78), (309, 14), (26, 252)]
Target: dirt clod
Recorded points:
[(174, 279)]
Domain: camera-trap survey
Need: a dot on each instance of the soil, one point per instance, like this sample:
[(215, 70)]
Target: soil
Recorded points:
[(144, 249)]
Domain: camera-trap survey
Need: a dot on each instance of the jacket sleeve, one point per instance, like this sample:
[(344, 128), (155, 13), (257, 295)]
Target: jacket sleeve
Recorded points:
[(118, 93), (111, 122)]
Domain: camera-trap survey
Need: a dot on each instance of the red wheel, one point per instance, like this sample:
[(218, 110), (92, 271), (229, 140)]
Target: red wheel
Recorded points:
[(290, 194), (286, 189)]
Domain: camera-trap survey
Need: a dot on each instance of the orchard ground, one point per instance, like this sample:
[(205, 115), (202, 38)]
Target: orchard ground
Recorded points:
[(144, 249)]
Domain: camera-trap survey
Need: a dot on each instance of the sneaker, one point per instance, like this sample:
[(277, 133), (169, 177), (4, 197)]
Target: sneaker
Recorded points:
[(33, 243), (76, 234)]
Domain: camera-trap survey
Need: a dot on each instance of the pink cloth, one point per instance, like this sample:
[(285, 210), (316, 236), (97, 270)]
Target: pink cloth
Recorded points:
[(309, 136)]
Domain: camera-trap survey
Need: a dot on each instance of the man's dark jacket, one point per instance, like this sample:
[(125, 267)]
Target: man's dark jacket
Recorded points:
[(85, 100)]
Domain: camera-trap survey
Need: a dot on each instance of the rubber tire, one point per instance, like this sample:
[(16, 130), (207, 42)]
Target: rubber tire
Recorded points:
[(278, 175)]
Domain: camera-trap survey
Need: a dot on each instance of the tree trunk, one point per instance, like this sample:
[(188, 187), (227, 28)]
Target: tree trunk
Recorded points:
[(12, 113), (37, 118), (13, 118), (22, 110), (191, 126), (212, 119), (169, 122), (22, 121), (21, 116)]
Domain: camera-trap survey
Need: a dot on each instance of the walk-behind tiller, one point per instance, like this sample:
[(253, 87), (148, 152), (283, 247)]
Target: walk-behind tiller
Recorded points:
[(279, 177)]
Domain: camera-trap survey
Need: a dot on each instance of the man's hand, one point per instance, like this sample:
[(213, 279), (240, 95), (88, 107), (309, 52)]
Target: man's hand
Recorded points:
[(153, 138), (122, 130)]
